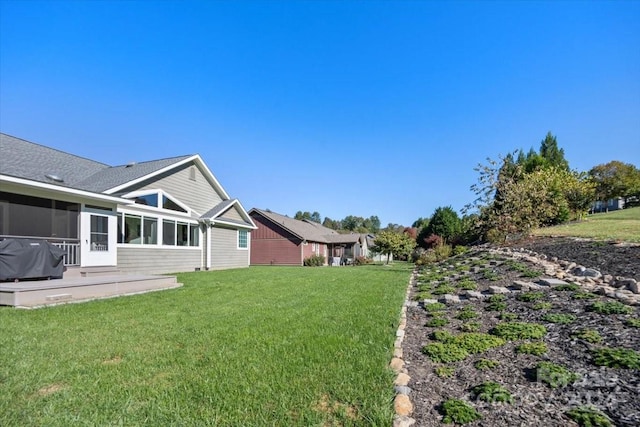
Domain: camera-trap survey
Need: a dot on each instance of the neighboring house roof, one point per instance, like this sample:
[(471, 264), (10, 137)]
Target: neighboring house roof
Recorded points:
[(307, 230)]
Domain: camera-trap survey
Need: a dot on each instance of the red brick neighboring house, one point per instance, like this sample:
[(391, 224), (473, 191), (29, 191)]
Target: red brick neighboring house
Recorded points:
[(280, 240)]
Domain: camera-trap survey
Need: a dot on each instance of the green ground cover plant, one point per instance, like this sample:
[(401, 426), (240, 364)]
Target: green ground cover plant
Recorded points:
[(490, 275), (436, 322), (560, 318), (467, 284), (555, 375), (623, 358), (458, 412), (492, 392), (507, 316), (588, 416), (435, 307), (485, 364), (610, 307), (443, 289), (536, 348), (496, 303), (453, 348), (470, 327), (258, 346), (584, 295), (634, 323), (445, 371), (466, 313), (523, 269), (530, 296), (542, 306), (519, 331), (589, 335)]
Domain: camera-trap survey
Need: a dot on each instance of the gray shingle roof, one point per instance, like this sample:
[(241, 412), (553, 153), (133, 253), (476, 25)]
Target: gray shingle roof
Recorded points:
[(118, 175), (307, 230), (220, 207), (24, 159)]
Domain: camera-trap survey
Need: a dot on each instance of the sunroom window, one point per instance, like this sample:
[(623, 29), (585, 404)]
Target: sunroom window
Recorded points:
[(167, 203)]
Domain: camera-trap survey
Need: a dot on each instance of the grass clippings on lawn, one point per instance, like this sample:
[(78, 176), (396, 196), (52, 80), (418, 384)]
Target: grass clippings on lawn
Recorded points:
[(263, 346)]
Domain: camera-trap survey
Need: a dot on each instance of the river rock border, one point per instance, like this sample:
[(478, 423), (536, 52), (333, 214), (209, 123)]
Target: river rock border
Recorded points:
[(402, 403)]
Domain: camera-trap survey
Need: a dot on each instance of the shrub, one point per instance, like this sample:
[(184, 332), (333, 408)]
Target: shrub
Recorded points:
[(314, 261), (530, 296), (519, 331), (537, 348), (560, 318), (475, 342), (555, 375), (492, 392), (588, 335), (610, 307), (497, 298), (588, 416), (360, 260), (445, 371), (433, 240), (458, 412), (436, 322), (460, 249), (442, 252), (617, 358), (484, 364)]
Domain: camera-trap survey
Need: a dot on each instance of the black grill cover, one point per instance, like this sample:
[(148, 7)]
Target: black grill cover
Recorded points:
[(30, 259)]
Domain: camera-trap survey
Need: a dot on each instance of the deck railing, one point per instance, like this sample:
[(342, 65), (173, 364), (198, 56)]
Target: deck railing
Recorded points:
[(71, 247)]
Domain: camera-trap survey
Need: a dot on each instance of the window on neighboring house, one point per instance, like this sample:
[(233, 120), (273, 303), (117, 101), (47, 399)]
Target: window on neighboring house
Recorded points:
[(99, 233), (194, 235), (242, 239), (132, 229)]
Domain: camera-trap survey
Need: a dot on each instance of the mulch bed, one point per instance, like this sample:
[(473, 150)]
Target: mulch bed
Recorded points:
[(612, 391)]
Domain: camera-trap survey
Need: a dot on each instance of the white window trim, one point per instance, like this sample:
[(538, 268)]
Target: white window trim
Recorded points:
[(160, 215), (161, 193), (238, 240)]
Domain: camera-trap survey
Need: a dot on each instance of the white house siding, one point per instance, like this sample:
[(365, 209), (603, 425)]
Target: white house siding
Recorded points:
[(198, 195), (156, 260), (224, 249)]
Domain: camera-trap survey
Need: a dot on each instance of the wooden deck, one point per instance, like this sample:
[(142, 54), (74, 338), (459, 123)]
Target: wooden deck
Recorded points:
[(40, 293)]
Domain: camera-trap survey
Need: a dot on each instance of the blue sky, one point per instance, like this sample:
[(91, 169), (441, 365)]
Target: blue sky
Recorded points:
[(346, 108)]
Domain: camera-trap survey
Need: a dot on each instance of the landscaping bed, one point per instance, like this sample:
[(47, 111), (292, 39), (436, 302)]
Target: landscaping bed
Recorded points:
[(551, 355)]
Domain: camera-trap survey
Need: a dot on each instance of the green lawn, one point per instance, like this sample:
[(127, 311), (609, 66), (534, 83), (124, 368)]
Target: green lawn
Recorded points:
[(616, 225), (264, 346)]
